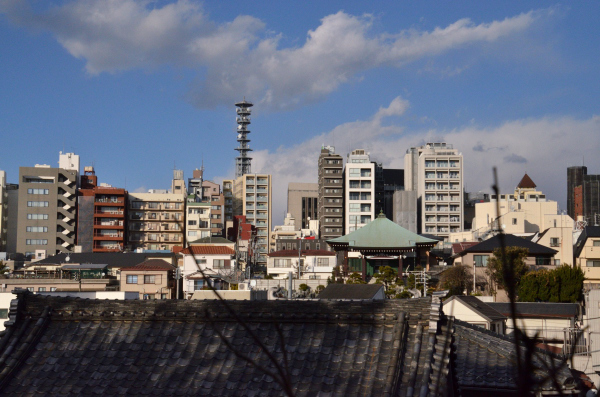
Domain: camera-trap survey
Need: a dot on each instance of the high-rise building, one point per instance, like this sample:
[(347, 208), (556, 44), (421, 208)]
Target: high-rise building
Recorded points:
[(359, 190), (583, 195), (211, 193), (101, 215), (435, 171), (250, 195), (331, 193), (155, 219), (302, 203), (47, 205)]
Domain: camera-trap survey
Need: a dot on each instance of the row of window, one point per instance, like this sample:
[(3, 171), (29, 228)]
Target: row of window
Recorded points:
[(37, 203), (37, 216), (357, 207), (37, 229), (359, 172), (148, 279), (37, 191), (41, 289), (360, 184), (36, 242), (360, 196)]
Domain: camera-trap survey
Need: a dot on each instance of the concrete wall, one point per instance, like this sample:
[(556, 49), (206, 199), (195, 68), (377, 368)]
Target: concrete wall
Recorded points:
[(231, 295), (405, 209)]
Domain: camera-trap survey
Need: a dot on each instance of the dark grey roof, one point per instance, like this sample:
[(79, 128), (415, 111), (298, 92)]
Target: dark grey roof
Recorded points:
[(477, 348), (350, 291), (73, 346), (510, 240), (113, 259), (211, 240), (589, 231), (480, 307), (538, 309)]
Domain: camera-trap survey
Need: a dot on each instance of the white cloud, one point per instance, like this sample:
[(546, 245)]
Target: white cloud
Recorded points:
[(241, 57), (543, 148)]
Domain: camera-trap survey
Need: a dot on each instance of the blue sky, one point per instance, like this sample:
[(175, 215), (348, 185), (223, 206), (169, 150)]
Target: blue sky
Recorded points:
[(138, 88)]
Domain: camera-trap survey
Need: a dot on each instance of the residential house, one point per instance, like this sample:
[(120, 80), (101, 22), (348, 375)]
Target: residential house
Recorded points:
[(309, 264), (587, 255), (472, 310), (207, 264), (151, 279)]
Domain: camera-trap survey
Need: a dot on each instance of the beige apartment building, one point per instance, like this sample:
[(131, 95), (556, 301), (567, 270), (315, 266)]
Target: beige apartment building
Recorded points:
[(250, 195), (435, 171), (198, 220)]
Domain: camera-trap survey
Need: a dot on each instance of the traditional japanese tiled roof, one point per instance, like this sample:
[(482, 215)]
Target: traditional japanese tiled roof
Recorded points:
[(538, 309), (478, 306), (510, 240), (350, 291), (382, 233), (208, 250), (526, 183), (72, 346), (152, 264), (486, 360), (294, 253)]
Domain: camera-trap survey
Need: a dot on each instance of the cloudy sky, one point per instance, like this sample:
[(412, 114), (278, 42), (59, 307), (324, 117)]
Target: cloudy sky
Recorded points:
[(138, 88)]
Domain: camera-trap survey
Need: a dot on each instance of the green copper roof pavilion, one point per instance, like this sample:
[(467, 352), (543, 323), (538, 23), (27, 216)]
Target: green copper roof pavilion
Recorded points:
[(381, 235)]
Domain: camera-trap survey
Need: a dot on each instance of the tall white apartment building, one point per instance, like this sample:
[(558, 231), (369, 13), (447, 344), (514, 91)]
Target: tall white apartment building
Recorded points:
[(250, 195), (359, 191), (435, 171)]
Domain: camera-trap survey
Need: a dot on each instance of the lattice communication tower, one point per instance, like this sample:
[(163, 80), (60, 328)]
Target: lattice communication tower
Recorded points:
[(242, 162)]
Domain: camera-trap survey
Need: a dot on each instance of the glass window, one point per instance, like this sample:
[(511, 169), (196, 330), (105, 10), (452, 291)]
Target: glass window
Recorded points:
[(596, 243), (149, 279), (354, 207), (354, 184), (198, 285), (481, 260), (591, 263), (132, 279), (354, 172), (354, 196), (540, 261), (218, 263), (354, 265)]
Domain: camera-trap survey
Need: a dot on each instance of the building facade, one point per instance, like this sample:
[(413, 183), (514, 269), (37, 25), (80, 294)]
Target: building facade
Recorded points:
[(359, 191), (302, 203), (331, 193), (101, 215), (583, 195), (435, 171), (250, 195), (47, 216)]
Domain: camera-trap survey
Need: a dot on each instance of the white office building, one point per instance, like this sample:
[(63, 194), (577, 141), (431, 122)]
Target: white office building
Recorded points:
[(359, 191)]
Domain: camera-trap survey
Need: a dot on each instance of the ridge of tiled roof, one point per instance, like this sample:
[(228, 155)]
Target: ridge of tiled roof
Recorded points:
[(540, 309), (152, 264), (526, 183), (113, 259), (510, 241), (480, 307), (208, 250), (294, 253), (350, 291)]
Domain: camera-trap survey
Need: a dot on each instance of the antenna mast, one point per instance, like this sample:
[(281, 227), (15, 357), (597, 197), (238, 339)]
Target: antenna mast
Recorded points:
[(242, 162)]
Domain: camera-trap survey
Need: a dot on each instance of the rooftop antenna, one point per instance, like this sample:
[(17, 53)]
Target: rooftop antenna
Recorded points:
[(243, 162)]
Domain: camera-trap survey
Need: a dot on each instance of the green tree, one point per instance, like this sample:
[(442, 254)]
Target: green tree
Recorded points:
[(3, 268), (456, 279), (571, 283), (535, 286), (563, 284), (508, 266), (386, 276), (355, 278)]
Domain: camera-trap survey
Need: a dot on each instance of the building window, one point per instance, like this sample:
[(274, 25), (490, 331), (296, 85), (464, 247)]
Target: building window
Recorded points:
[(37, 229), (354, 196), (354, 184), (541, 261), (198, 285), (365, 196), (37, 191), (218, 263), (42, 289), (131, 279), (30, 289), (554, 242), (193, 233), (514, 221), (36, 242), (355, 172), (148, 296), (37, 216), (481, 260), (323, 261), (591, 263), (354, 265), (149, 279), (282, 263), (192, 223), (596, 243), (52, 289), (37, 203)]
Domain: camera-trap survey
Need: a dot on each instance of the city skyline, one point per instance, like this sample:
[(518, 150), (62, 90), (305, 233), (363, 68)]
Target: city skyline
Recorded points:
[(132, 86)]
